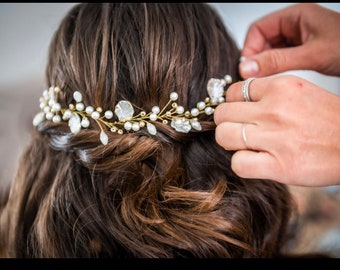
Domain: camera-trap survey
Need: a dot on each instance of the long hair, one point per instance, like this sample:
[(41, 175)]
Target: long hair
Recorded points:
[(164, 196)]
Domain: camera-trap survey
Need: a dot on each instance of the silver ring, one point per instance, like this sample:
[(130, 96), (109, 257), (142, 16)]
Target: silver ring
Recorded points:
[(244, 136), (245, 89)]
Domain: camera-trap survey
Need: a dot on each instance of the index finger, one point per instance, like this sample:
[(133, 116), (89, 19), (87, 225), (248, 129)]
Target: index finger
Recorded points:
[(273, 30)]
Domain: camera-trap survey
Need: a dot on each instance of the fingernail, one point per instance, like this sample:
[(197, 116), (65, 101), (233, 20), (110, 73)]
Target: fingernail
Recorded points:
[(242, 59), (249, 68)]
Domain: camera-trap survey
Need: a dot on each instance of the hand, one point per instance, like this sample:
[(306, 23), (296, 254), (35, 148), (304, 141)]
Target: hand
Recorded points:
[(293, 131), (299, 37)]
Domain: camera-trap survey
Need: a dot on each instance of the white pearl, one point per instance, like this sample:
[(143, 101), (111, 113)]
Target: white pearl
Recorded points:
[(135, 127), (67, 115), (173, 96), (228, 79), (194, 112), (214, 100), (208, 110), (155, 109), (47, 109), (221, 99), (180, 109), (89, 109), (80, 106), (51, 102), (85, 123), (56, 107), (153, 117), (56, 119), (49, 115), (95, 115), (128, 125), (108, 114), (201, 105), (223, 82), (77, 96)]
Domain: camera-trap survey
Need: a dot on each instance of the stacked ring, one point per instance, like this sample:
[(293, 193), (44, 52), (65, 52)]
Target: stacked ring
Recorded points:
[(245, 89)]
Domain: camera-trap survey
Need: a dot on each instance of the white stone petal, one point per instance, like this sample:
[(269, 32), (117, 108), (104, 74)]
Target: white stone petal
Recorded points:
[(103, 138), (151, 128), (74, 123), (215, 88), (38, 118), (181, 124), (195, 124), (77, 96), (124, 110)]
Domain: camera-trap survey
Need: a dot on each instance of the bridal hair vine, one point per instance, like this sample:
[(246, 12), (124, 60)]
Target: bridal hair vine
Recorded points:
[(78, 114)]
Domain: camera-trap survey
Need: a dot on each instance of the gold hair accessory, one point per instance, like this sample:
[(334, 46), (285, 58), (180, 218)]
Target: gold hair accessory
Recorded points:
[(78, 115)]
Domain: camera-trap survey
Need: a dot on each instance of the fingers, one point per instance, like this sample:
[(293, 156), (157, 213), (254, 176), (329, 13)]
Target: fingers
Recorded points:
[(255, 90), (234, 136), (274, 30), (235, 91), (251, 164), (243, 136), (276, 61), (285, 40), (236, 110)]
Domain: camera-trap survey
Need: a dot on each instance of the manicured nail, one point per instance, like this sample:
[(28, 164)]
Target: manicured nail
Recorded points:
[(242, 59), (249, 68)]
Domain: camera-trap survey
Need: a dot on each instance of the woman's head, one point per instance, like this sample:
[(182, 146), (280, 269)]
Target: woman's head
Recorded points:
[(172, 194)]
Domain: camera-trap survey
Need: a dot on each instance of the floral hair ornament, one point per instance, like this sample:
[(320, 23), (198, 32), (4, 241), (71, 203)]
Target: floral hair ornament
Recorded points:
[(78, 114)]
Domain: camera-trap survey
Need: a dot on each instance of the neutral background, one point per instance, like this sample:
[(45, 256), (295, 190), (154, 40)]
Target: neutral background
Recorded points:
[(25, 33)]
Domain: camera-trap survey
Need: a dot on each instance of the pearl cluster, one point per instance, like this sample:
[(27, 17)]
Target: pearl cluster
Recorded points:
[(78, 114)]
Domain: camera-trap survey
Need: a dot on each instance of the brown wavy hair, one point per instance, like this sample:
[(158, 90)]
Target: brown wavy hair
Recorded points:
[(164, 196)]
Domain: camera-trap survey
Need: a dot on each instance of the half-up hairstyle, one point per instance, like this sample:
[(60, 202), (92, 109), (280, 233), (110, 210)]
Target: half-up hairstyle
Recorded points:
[(164, 196)]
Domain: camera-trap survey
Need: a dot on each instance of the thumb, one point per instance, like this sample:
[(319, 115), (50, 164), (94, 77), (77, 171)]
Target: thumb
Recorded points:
[(274, 61)]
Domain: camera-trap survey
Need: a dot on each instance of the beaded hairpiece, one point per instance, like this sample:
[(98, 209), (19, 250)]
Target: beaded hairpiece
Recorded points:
[(78, 115)]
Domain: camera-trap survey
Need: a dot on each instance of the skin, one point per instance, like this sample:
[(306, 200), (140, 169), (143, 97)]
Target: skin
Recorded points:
[(293, 126), (293, 38)]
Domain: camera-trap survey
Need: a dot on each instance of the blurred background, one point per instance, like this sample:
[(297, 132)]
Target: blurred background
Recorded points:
[(26, 30)]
